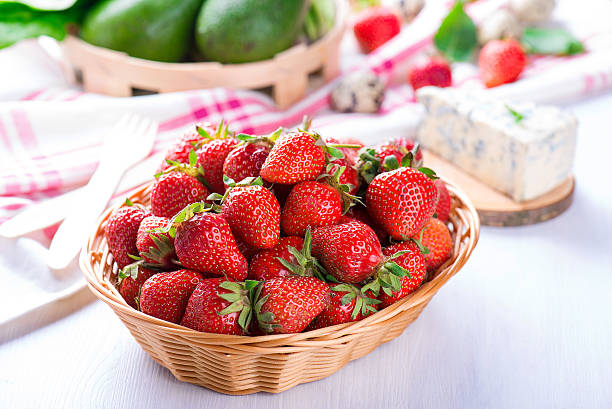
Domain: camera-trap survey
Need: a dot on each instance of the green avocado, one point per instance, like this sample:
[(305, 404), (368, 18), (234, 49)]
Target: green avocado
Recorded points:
[(158, 30), (238, 31)]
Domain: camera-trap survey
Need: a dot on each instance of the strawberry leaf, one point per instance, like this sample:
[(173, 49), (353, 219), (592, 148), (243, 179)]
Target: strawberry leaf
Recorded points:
[(128, 202)]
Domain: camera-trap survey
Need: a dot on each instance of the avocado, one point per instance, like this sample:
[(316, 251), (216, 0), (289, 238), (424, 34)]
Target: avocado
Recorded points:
[(158, 30), (238, 31)]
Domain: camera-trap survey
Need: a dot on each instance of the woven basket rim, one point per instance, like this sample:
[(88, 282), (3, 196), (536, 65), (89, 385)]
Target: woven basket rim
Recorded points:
[(462, 209)]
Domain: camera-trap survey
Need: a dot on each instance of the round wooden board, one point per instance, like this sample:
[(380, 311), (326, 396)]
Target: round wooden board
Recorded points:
[(497, 209)]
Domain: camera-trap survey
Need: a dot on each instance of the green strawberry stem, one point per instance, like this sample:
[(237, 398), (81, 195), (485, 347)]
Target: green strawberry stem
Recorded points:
[(306, 264), (241, 297), (363, 303), (388, 276)]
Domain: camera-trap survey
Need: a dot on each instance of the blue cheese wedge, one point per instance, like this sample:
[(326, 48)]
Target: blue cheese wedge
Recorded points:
[(521, 149)]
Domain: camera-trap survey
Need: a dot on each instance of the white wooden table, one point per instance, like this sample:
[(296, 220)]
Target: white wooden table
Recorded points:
[(526, 324)]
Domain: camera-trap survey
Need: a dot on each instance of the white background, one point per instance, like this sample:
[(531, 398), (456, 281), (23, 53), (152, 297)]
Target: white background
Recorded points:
[(527, 323)]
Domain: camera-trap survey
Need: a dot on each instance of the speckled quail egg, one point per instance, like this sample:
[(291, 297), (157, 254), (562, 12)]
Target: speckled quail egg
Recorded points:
[(361, 91), (407, 9), (532, 11), (501, 24)]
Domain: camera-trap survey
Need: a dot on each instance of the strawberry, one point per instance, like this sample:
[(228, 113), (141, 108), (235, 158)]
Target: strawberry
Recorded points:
[(350, 252), (295, 157), (361, 215), (436, 237), (406, 145), (444, 201), (219, 306), (350, 154), (281, 192), (433, 71), (501, 62), (204, 242), (173, 191), (286, 305), (247, 251), (265, 264), (399, 152), (402, 200), (310, 204), (211, 158), (349, 175), (155, 248), (192, 139), (346, 304), (375, 26), (245, 161), (165, 295), (132, 277), (121, 232), (253, 214), (414, 263)]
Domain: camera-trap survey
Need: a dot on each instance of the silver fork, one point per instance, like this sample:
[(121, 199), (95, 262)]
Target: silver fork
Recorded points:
[(128, 142)]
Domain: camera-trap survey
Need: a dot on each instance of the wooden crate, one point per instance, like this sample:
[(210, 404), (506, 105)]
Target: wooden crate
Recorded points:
[(115, 73)]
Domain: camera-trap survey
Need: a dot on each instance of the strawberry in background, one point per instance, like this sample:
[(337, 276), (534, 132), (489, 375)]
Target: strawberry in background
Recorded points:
[(501, 62), (433, 71), (375, 26)]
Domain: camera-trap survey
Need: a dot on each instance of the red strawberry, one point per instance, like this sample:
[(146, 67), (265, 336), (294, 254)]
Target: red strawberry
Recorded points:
[(281, 192), (434, 71), (361, 215), (155, 247), (175, 190), (191, 140), (350, 252), (401, 201), (286, 305), (253, 214), (501, 62), (247, 251), (406, 145), (205, 243), (375, 26), (245, 161), (350, 154), (444, 201), (346, 304), (211, 157), (132, 278), (414, 263), (219, 306), (349, 175), (437, 239), (265, 264), (121, 232), (165, 295), (295, 157), (310, 204)]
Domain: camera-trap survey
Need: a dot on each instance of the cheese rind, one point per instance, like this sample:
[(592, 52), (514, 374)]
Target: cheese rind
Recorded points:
[(524, 158)]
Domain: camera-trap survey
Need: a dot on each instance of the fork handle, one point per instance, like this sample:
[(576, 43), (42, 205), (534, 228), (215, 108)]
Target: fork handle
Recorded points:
[(75, 228)]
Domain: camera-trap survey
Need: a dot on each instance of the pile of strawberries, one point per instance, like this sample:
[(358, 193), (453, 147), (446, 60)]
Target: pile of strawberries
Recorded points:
[(252, 235)]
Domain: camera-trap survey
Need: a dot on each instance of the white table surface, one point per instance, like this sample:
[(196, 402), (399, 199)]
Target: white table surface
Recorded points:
[(526, 324)]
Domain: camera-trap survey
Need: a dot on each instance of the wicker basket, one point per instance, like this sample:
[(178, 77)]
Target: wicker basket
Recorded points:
[(241, 365)]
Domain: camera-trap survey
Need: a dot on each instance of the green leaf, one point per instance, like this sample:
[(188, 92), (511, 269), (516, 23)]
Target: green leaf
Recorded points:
[(193, 158), (18, 22), (429, 173), (518, 117), (203, 132), (550, 41), (335, 152), (128, 202), (456, 37)]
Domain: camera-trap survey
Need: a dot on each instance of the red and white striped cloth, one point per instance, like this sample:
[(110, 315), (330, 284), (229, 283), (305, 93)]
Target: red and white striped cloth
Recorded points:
[(50, 138)]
